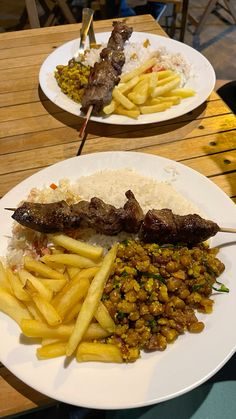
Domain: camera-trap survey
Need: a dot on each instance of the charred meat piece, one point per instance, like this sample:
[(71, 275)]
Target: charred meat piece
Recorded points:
[(105, 74), (102, 217), (102, 79), (116, 58), (132, 214), (47, 218), (162, 226), (120, 34)]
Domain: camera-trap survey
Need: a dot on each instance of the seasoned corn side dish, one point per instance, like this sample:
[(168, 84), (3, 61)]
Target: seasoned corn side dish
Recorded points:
[(153, 292), (72, 78)]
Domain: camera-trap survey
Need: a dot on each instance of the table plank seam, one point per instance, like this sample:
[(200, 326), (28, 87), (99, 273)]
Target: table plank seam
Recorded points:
[(189, 158)]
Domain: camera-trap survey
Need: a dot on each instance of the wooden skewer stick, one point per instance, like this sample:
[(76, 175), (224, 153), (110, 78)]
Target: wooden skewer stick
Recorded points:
[(83, 128), (227, 230)]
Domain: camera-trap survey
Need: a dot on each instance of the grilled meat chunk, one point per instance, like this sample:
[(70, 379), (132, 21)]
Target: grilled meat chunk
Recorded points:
[(132, 214), (105, 74), (162, 226), (102, 79), (120, 34), (47, 218), (102, 217)]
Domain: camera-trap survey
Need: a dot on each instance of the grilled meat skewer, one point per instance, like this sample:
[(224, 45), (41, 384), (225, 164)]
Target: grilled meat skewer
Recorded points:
[(104, 76), (162, 226), (159, 226)]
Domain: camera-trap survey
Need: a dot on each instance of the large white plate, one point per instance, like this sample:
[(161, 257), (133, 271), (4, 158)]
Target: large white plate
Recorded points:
[(202, 79), (157, 376)]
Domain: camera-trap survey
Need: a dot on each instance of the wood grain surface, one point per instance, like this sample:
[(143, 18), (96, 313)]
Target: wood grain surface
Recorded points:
[(35, 133)]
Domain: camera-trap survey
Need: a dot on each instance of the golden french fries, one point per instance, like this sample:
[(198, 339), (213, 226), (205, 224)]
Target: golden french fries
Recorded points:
[(103, 352), (155, 108), (11, 306), (160, 90), (138, 90), (108, 109), (17, 286), (47, 310), (38, 329), (91, 301), (52, 350), (137, 71), (63, 307), (4, 282), (77, 246), (70, 259), (40, 268), (183, 92), (132, 113), (104, 319), (122, 99), (33, 284), (73, 293)]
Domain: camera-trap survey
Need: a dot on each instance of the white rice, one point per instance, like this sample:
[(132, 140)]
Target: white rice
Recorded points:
[(136, 53), (108, 185)]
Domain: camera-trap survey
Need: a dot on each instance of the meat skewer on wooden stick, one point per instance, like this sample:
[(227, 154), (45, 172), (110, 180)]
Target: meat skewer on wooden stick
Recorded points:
[(104, 76)]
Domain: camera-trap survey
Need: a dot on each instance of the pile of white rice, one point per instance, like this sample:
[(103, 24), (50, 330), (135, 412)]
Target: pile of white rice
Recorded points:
[(108, 185), (137, 53)]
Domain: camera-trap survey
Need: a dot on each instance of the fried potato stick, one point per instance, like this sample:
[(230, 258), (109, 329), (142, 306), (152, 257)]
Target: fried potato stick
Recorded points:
[(101, 352), (91, 301), (70, 259), (77, 246), (11, 306)]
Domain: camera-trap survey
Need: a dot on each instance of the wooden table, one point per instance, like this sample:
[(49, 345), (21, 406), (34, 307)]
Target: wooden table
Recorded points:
[(34, 133)]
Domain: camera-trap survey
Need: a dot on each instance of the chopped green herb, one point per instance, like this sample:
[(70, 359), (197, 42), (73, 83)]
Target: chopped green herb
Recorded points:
[(222, 287), (120, 315), (154, 276), (196, 287), (152, 323), (124, 273)]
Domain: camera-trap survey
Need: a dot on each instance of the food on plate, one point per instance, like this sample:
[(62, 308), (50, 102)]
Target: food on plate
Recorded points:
[(125, 78), (105, 73), (160, 226), (108, 298), (72, 79)]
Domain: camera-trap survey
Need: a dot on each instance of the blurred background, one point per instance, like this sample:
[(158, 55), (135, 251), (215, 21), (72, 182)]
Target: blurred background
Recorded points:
[(210, 25)]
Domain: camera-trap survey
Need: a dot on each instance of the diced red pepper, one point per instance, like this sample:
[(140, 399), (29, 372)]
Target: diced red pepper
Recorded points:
[(53, 186)]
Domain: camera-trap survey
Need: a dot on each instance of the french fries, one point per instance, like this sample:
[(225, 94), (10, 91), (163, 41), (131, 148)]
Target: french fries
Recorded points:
[(63, 307), (94, 351), (69, 259), (104, 319), (76, 246), (11, 306), (91, 301), (137, 89)]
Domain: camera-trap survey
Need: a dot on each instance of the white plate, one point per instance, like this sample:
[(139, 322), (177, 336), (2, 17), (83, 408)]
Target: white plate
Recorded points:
[(202, 79), (157, 376)]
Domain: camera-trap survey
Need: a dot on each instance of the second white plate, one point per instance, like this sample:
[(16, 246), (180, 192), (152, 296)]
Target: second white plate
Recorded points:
[(202, 79)]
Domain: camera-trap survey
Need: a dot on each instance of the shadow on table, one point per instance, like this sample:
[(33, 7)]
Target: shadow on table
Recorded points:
[(184, 124)]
